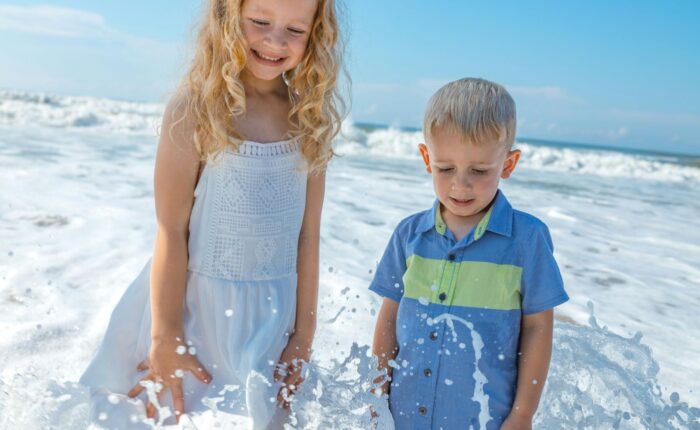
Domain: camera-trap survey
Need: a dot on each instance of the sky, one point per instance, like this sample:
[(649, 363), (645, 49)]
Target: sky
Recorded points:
[(622, 73)]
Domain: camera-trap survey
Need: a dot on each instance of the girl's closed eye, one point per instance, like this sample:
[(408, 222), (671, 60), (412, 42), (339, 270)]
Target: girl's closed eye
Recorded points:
[(445, 169), (296, 31), (480, 171), (259, 22)]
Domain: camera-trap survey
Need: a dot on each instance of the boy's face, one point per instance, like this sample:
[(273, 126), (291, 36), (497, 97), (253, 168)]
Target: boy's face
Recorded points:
[(465, 175)]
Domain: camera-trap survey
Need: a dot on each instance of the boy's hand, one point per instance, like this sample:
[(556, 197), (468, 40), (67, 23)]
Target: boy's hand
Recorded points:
[(289, 368), (517, 422)]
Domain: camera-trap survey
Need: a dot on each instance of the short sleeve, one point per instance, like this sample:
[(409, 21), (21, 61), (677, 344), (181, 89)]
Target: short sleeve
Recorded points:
[(388, 279), (542, 287)]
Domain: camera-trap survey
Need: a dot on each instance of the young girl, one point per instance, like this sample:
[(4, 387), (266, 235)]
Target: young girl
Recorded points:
[(218, 322)]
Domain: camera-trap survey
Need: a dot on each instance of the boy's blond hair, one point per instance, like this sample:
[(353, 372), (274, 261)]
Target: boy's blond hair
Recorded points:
[(477, 109)]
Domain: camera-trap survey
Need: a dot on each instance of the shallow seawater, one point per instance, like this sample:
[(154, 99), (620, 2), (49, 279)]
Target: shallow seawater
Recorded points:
[(77, 224)]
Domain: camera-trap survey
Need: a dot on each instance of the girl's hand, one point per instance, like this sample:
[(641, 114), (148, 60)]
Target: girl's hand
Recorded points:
[(289, 368), (517, 422), (167, 361)]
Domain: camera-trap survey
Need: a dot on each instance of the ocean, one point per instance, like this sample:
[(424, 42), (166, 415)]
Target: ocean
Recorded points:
[(77, 224)]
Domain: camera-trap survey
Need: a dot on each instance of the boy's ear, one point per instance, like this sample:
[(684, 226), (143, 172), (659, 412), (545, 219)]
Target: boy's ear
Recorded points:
[(426, 158), (510, 163)]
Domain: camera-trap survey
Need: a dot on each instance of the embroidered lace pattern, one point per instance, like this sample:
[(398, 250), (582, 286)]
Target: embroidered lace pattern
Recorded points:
[(257, 204)]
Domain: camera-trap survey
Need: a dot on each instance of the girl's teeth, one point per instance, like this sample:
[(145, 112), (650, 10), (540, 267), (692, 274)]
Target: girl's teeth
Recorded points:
[(265, 57)]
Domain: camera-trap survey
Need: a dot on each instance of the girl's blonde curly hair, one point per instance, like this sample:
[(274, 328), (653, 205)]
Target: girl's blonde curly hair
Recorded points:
[(216, 95)]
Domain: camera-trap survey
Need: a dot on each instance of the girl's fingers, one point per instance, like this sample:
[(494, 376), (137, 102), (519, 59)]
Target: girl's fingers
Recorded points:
[(198, 371), (150, 410), (144, 365), (178, 400), (138, 387)]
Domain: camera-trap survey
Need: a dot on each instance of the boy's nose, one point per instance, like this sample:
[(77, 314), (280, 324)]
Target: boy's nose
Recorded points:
[(462, 181)]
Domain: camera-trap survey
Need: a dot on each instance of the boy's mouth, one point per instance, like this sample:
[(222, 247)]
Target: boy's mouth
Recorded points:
[(267, 59), (461, 202)]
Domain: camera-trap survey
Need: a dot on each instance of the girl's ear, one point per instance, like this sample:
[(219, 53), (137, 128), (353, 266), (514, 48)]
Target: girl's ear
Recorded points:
[(426, 158), (510, 163)]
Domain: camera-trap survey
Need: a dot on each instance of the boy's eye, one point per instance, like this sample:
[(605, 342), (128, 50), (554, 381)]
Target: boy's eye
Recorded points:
[(445, 169), (259, 22), (296, 31), (479, 171)]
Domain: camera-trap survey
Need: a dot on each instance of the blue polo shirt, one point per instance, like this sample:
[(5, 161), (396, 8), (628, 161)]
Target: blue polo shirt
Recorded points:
[(460, 306)]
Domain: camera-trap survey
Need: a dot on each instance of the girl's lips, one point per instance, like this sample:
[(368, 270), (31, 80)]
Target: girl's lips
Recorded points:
[(265, 61)]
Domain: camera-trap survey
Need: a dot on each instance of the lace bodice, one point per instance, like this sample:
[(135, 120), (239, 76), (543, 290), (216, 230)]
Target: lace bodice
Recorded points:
[(247, 213)]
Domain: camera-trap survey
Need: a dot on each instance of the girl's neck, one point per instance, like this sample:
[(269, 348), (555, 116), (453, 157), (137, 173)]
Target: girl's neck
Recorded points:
[(260, 87)]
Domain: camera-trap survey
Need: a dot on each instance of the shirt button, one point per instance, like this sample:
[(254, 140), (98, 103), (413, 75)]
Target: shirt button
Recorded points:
[(442, 297), (428, 373), (451, 257), (422, 410), (433, 335)]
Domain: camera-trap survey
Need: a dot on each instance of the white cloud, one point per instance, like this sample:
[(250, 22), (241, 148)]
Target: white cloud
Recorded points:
[(53, 21)]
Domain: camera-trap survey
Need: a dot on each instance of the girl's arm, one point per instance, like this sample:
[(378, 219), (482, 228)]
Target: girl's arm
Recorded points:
[(533, 364), (385, 346), (176, 172), (299, 346)]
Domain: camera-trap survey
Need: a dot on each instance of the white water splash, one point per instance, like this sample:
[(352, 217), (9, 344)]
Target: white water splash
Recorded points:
[(480, 379)]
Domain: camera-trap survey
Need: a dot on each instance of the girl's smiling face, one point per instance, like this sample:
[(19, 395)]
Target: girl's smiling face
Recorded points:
[(277, 33)]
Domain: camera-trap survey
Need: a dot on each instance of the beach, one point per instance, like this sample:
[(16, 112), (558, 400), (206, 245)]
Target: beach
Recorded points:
[(77, 224)]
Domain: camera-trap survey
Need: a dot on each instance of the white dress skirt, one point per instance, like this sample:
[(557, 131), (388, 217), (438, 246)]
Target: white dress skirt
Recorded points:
[(240, 302)]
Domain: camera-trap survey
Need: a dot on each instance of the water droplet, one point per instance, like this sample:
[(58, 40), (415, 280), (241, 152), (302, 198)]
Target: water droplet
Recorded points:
[(189, 342), (448, 382), (179, 373), (102, 416), (180, 350), (534, 382), (501, 357), (423, 301), (433, 287), (113, 399), (229, 313), (420, 341), (396, 285), (192, 350)]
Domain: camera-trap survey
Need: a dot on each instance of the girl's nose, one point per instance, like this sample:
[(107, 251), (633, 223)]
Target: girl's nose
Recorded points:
[(276, 38)]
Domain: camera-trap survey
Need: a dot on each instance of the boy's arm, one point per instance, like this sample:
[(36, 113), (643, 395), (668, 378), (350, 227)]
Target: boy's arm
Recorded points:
[(533, 364), (385, 346)]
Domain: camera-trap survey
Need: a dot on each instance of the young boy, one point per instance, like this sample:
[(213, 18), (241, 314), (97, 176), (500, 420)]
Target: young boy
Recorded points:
[(465, 328)]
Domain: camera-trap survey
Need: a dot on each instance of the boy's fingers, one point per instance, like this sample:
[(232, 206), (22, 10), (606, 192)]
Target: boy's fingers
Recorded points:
[(142, 366), (150, 410)]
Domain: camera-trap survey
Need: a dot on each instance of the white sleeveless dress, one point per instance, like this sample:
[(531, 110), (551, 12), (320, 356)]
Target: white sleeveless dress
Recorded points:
[(240, 302)]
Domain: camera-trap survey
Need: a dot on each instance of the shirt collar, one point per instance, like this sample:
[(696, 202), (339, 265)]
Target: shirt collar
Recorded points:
[(498, 219)]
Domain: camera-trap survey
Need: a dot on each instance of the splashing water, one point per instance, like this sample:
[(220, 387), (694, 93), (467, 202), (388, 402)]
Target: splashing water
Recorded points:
[(478, 344), (341, 397), (597, 380)]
